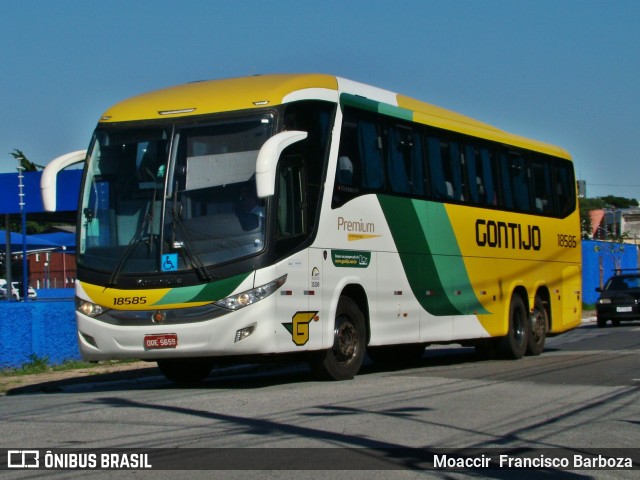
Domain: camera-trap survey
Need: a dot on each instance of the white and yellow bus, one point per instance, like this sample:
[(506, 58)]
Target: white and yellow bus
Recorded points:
[(313, 215)]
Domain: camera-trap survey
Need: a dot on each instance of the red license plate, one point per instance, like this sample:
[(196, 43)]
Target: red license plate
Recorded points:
[(165, 340)]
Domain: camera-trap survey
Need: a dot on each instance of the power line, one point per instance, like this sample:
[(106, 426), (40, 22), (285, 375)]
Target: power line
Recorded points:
[(609, 185)]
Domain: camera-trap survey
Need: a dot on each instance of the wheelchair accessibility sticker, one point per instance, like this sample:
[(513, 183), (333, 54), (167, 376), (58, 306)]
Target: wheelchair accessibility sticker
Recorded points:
[(169, 262)]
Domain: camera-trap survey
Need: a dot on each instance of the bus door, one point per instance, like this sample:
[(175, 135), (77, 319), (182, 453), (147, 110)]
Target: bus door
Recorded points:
[(301, 296)]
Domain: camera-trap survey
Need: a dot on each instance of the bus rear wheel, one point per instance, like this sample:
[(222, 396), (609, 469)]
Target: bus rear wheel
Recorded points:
[(186, 371), (514, 344), (344, 359), (538, 328)]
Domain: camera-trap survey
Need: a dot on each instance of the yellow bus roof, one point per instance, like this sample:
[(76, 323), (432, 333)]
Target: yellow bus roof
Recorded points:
[(213, 96)]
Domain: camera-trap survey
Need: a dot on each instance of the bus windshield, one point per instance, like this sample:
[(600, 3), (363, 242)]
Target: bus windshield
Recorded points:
[(172, 198)]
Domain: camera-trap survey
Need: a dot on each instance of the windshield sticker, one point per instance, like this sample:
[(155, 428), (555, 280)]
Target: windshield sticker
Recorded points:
[(350, 259), (169, 262)]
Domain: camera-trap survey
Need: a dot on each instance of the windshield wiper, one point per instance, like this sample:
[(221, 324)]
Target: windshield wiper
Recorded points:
[(136, 240), (187, 243)]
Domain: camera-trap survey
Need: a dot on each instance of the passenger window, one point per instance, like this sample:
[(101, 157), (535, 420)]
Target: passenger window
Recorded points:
[(515, 181), (542, 190), (445, 161), (565, 188), (405, 161), (481, 175)]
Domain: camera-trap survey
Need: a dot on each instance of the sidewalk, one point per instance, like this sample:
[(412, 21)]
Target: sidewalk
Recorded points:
[(50, 381)]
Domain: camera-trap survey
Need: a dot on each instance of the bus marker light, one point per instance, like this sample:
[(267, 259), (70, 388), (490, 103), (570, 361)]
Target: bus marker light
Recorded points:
[(175, 112), (244, 333)]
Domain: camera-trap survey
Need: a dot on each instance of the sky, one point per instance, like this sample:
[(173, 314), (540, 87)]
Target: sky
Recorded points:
[(565, 72)]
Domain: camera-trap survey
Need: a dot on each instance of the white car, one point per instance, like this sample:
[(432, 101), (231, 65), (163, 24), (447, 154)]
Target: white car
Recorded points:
[(15, 290)]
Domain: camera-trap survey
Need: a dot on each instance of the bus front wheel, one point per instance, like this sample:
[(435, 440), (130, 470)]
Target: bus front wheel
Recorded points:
[(344, 359), (514, 344)]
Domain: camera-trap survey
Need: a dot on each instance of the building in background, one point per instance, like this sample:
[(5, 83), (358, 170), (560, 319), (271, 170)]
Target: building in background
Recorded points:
[(616, 224)]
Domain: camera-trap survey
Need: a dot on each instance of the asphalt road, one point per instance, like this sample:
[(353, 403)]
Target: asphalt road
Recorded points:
[(581, 394)]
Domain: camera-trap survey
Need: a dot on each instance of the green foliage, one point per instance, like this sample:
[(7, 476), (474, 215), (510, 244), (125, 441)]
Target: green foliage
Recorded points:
[(24, 162), (36, 364), (619, 202)]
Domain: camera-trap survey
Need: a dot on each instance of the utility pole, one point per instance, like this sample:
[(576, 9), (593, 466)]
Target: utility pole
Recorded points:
[(23, 213)]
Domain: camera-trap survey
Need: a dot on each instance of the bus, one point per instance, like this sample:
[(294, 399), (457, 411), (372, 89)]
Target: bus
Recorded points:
[(318, 217)]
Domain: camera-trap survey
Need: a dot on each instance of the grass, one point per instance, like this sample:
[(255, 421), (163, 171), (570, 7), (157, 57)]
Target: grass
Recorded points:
[(37, 365)]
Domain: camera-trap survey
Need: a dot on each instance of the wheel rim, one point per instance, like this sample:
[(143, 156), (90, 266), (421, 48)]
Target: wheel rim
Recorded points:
[(345, 345), (538, 326)]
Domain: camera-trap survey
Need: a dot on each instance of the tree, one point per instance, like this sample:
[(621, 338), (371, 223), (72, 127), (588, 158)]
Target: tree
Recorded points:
[(25, 163), (619, 202), (586, 205)]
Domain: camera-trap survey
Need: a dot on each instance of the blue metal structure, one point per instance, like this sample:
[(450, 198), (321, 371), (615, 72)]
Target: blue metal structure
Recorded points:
[(600, 260)]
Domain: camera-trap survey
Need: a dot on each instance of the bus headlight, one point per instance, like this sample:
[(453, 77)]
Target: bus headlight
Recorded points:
[(241, 300), (604, 300), (88, 308)]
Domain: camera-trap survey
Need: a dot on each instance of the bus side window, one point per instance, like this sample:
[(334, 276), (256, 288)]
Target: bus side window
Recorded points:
[(438, 181), (520, 179), (565, 188), (399, 149), (474, 175), (348, 168), (372, 173), (542, 190), (291, 210), (515, 175), (480, 176), (360, 166), (418, 177), (446, 161)]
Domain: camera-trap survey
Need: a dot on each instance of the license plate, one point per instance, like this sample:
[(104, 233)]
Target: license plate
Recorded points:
[(624, 309), (164, 340)]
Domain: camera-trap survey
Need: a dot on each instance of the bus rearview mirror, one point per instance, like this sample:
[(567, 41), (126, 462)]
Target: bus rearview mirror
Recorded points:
[(268, 157), (48, 181)]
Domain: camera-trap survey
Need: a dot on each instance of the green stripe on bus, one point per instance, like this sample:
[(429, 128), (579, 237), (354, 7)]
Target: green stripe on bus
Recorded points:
[(430, 256), (447, 256), (210, 292), (378, 107)]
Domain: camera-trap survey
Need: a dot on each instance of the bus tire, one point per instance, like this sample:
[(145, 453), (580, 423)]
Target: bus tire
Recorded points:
[(185, 371), (602, 322), (538, 328), (344, 359), (514, 344)]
